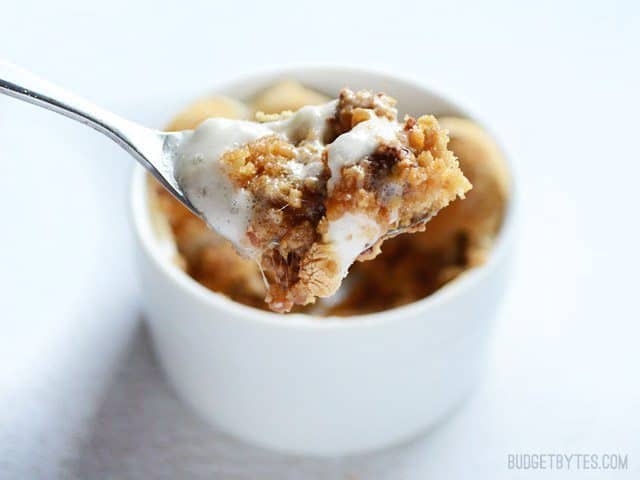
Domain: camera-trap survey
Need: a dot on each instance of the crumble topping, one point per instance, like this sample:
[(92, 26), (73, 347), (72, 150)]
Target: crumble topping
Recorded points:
[(356, 107)]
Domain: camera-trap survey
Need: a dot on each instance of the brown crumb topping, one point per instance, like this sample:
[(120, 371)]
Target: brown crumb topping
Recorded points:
[(356, 107)]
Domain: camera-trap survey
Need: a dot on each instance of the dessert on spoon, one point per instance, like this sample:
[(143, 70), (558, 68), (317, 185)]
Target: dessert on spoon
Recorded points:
[(305, 194), (308, 193)]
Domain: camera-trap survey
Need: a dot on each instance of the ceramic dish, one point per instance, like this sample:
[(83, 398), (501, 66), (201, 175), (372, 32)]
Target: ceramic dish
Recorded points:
[(320, 386)]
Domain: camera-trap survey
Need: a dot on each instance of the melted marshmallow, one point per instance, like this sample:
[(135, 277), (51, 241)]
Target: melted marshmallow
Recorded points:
[(226, 209), (309, 121), (357, 143), (351, 234)]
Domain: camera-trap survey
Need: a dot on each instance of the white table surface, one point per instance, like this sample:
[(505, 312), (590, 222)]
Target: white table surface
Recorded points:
[(80, 393)]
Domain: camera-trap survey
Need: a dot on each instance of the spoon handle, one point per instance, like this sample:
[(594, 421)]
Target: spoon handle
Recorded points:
[(153, 149), (25, 86)]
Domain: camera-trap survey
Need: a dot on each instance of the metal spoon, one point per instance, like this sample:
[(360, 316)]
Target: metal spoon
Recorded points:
[(154, 149)]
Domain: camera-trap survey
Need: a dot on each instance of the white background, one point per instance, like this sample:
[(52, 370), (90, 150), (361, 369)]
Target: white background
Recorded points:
[(80, 393)]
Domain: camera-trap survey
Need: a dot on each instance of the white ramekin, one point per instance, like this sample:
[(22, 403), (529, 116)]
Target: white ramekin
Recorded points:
[(320, 386)]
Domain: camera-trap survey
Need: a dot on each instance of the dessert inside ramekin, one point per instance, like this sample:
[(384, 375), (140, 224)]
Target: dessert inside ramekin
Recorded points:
[(410, 267)]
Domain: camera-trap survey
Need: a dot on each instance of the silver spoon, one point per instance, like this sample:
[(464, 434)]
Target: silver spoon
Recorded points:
[(154, 149)]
